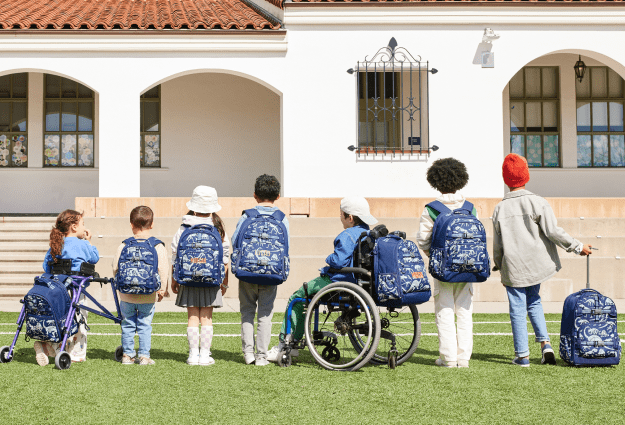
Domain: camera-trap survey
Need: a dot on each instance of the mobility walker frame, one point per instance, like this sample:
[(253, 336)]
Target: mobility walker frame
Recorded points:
[(345, 328), (80, 283)]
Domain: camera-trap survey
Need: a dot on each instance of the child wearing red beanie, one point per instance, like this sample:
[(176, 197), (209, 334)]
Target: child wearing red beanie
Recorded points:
[(526, 234)]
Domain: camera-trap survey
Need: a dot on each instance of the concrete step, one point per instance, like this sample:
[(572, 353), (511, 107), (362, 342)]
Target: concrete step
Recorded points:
[(21, 257), (21, 246), (27, 219), (24, 236), (21, 268), (26, 226), (17, 280), (15, 291)]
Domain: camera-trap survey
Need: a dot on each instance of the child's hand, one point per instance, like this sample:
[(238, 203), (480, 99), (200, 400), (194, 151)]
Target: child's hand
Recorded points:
[(160, 294), (174, 286), (87, 235), (223, 290), (586, 250)]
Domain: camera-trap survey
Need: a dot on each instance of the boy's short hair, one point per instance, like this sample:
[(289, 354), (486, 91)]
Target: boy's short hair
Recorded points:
[(141, 217), (267, 188), (447, 175), (357, 220)]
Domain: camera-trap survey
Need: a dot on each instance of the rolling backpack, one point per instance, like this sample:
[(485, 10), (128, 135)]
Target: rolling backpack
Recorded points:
[(588, 332), (261, 249), (46, 306), (458, 252), (137, 268), (199, 258)]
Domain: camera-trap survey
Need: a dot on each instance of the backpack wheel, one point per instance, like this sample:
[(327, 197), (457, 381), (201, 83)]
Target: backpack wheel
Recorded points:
[(63, 360), (284, 359), (119, 353), (4, 354)]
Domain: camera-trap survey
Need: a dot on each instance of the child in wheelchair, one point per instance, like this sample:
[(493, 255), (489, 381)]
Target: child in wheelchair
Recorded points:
[(356, 219)]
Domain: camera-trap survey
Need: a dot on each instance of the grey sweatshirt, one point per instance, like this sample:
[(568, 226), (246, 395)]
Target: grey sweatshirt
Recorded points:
[(525, 239)]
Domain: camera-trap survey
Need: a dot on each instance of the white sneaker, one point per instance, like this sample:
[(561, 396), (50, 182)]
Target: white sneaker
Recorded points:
[(194, 358), (272, 355), (463, 363), (205, 358), (249, 358), (440, 362), (262, 362), (40, 355)]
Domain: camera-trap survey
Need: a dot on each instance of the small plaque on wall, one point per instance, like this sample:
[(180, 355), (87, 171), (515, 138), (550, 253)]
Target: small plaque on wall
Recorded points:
[(414, 141)]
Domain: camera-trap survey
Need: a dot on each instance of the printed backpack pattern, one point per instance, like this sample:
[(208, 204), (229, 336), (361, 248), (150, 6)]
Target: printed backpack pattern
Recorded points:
[(399, 272), (199, 258), (47, 305), (137, 268), (458, 251), (588, 332), (261, 249)]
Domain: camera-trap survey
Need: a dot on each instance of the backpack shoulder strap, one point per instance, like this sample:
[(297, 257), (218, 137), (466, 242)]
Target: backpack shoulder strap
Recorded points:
[(129, 240), (153, 241), (468, 206), (435, 208), (278, 215), (252, 212)]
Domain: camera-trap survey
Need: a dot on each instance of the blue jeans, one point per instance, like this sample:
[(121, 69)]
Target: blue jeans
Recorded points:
[(526, 302), (137, 318)]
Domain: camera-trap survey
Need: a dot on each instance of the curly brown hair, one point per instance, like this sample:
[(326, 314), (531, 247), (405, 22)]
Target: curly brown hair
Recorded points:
[(61, 228), (447, 175)]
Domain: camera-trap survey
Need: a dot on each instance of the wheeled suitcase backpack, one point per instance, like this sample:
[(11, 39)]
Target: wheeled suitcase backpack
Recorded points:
[(588, 332)]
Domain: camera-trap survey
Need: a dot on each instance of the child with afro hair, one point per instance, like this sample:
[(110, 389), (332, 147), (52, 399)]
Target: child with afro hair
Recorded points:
[(448, 176)]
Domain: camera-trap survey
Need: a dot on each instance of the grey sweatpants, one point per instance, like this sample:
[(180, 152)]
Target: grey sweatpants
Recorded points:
[(251, 297)]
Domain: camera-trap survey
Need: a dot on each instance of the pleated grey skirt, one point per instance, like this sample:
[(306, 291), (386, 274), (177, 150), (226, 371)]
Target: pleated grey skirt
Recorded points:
[(189, 296)]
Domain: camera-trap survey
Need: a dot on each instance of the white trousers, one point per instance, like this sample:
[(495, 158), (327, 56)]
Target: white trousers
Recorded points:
[(450, 298)]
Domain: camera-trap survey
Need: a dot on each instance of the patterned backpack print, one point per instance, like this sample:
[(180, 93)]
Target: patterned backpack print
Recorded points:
[(588, 333), (458, 252), (261, 249), (399, 273), (47, 305), (137, 268), (199, 258)]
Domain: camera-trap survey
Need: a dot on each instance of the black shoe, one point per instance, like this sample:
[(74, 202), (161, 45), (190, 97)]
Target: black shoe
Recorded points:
[(549, 356)]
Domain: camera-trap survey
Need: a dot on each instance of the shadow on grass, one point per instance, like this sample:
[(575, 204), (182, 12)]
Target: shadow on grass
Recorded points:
[(25, 355)]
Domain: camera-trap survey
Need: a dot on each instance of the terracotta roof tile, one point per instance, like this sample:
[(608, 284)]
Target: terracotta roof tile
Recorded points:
[(132, 14)]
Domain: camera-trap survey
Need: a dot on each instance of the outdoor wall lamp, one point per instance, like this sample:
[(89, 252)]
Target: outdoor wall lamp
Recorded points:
[(580, 69)]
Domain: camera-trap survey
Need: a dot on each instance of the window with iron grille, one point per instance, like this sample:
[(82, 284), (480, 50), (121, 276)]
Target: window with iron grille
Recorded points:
[(68, 118), (151, 128), (13, 120), (535, 116), (600, 132), (392, 94)]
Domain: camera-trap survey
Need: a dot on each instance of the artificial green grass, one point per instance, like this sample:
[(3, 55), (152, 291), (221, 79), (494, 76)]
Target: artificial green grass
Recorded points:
[(491, 391)]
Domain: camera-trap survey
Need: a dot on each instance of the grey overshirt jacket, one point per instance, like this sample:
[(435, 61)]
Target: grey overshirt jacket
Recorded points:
[(525, 236)]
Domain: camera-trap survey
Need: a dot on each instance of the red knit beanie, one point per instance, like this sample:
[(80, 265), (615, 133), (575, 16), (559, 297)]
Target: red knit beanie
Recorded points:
[(515, 170)]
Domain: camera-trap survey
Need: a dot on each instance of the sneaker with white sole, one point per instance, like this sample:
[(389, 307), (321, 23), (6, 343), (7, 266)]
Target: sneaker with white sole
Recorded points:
[(194, 358), (146, 361), (523, 362), (272, 355), (249, 358), (40, 355), (440, 362), (548, 355), (463, 363), (262, 362), (126, 359), (205, 358)]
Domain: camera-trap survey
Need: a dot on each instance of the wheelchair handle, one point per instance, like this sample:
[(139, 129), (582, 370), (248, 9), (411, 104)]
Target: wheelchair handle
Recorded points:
[(104, 280)]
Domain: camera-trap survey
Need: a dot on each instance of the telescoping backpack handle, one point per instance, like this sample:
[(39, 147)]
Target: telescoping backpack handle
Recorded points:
[(588, 269)]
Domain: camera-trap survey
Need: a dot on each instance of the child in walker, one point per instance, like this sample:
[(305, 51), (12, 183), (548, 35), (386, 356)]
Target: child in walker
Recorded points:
[(69, 239), (200, 301)]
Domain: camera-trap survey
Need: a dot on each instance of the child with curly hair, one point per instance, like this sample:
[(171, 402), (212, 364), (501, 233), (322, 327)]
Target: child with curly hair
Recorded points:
[(448, 176)]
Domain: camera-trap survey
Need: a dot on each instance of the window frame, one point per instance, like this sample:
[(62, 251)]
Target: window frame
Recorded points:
[(606, 100), (10, 133), (77, 100), (542, 100), (144, 133)]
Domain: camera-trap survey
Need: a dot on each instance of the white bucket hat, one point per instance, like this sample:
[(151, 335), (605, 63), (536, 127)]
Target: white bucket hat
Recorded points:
[(204, 200), (359, 207)]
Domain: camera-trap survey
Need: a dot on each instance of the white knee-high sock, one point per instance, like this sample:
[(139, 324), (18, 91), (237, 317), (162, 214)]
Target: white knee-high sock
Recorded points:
[(193, 335), (206, 338)]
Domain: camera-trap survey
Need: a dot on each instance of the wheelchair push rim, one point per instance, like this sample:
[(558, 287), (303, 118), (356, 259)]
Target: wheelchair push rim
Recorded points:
[(338, 309)]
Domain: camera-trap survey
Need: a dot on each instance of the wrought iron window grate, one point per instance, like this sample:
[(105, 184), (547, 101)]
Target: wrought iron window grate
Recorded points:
[(392, 93)]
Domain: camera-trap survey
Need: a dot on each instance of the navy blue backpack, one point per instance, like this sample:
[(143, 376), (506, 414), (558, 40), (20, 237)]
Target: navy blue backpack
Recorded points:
[(588, 333), (399, 273), (137, 268), (261, 249), (458, 252), (199, 258), (47, 305)]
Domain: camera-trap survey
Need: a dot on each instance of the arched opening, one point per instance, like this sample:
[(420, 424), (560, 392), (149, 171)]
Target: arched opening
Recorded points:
[(568, 130), (211, 127)]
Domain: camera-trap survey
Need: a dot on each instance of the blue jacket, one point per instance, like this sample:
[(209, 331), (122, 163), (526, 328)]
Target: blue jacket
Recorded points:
[(78, 250), (262, 210), (343, 255)]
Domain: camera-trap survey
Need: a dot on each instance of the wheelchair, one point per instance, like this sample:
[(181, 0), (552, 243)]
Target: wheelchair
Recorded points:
[(346, 327)]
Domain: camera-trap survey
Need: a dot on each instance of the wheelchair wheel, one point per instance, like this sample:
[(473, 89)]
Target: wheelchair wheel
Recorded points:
[(405, 325), (4, 354), (337, 311)]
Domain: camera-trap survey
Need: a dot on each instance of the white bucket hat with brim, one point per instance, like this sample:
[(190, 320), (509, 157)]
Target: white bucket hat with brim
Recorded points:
[(204, 200), (359, 207)]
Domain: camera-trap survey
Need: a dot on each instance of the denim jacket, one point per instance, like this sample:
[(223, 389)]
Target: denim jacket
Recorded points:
[(343, 255)]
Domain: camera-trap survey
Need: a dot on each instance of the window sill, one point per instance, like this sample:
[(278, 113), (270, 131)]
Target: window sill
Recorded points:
[(154, 169), (53, 169)]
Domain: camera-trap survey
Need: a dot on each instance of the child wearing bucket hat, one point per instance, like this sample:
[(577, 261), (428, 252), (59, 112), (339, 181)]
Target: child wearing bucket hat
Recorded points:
[(200, 301), (526, 234), (355, 218)]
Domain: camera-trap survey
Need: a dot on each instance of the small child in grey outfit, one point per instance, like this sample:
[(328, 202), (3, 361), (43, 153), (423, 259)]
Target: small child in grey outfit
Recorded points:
[(254, 297)]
